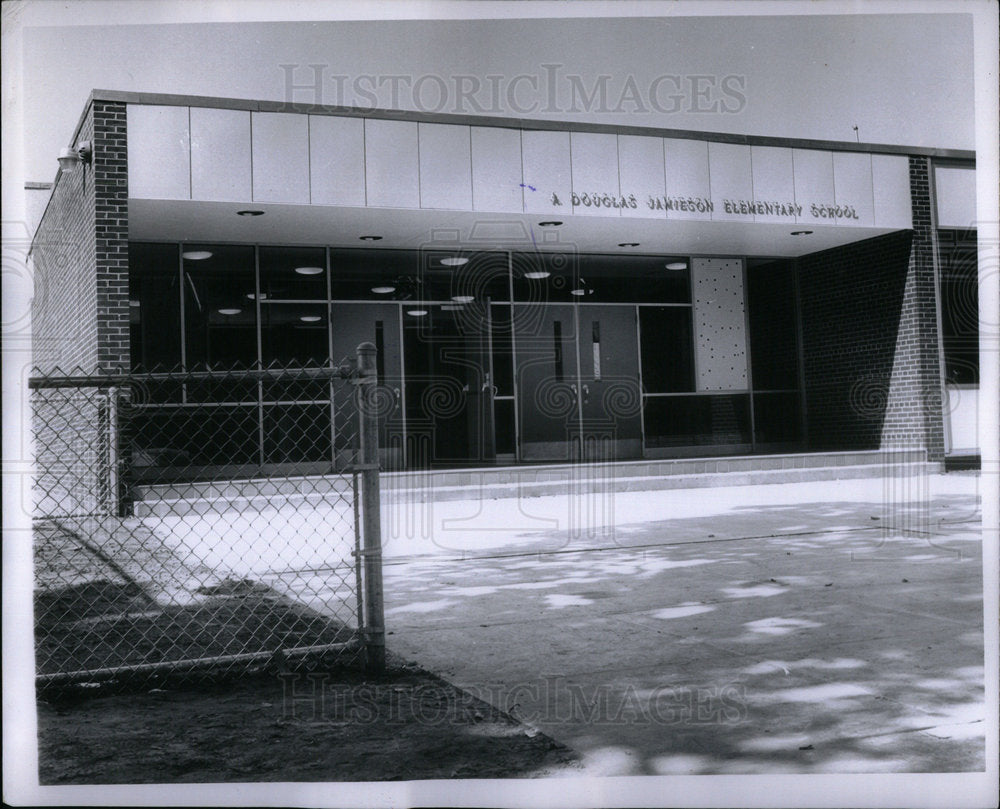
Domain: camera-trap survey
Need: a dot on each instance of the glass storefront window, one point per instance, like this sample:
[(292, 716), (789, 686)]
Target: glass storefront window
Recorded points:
[(586, 278), (292, 274), (154, 307), (373, 275), (220, 321), (486, 378), (960, 306), (772, 319), (666, 349), (688, 421)]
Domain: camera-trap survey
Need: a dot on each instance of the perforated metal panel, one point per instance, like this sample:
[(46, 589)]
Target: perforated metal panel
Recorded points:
[(720, 323)]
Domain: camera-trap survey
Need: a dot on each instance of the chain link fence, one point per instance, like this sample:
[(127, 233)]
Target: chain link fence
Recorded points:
[(206, 523)]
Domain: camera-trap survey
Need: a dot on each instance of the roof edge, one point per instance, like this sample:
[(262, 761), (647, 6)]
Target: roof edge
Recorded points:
[(169, 99)]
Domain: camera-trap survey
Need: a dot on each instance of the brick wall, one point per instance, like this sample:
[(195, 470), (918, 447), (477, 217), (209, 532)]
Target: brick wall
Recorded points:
[(64, 259), (870, 344), (111, 230), (80, 319), (80, 256)]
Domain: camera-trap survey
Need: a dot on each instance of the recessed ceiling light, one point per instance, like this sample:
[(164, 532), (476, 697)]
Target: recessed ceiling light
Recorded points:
[(249, 213), (676, 265), (370, 238), (801, 232), (417, 312), (454, 261), (230, 311), (310, 318), (134, 303), (383, 290), (534, 276), (550, 224), (309, 270), (463, 298), (196, 255), (254, 297), (628, 244)]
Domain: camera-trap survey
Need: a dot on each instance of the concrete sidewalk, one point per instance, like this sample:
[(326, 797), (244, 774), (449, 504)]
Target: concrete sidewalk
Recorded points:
[(814, 627)]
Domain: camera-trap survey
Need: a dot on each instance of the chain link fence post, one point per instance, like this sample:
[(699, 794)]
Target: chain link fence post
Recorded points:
[(374, 632)]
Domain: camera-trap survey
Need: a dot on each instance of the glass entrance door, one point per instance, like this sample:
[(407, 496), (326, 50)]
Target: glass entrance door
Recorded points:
[(449, 386), (610, 397), (578, 382), (547, 381)]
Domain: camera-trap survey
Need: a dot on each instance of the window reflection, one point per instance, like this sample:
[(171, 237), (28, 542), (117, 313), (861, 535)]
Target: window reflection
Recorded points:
[(220, 322), (293, 273), (154, 307)]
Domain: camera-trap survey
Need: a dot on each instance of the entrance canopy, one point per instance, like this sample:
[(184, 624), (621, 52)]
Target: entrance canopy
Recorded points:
[(335, 178)]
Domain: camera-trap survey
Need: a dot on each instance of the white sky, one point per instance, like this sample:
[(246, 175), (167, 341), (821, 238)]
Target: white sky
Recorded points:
[(904, 79)]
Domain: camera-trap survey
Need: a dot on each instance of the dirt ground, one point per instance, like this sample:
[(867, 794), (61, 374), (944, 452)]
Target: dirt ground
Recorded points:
[(116, 597), (288, 726)]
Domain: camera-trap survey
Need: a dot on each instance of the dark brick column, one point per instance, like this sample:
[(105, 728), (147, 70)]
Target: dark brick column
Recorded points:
[(111, 229), (870, 341), (914, 413)]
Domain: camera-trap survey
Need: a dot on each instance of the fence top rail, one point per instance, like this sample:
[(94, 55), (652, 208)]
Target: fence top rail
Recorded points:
[(42, 381)]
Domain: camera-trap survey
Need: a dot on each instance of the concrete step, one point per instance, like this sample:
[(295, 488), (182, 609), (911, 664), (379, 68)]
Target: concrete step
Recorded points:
[(532, 481)]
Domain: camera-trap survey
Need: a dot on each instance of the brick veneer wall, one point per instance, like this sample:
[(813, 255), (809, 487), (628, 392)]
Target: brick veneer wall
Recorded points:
[(870, 345), (64, 259), (80, 256), (80, 317), (111, 227)]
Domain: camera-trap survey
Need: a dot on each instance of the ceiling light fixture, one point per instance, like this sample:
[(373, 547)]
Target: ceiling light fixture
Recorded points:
[(370, 238), (196, 255), (417, 312), (309, 270), (249, 212), (676, 265), (383, 290), (234, 310), (310, 318), (463, 298), (801, 232), (454, 261), (70, 157), (537, 275), (549, 224), (255, 297), (628, 244)]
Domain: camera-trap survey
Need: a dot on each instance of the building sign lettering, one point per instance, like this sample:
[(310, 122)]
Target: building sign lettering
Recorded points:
[(698, 204), (738, 207)]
